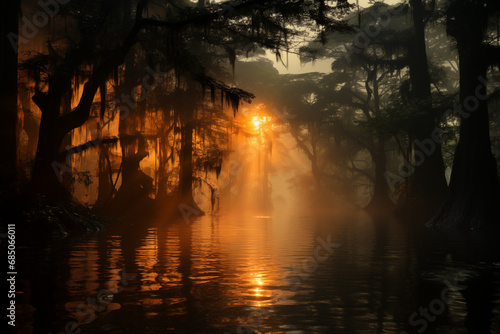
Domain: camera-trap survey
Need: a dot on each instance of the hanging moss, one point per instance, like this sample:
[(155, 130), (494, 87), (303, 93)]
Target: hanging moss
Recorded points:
[(231, 53)]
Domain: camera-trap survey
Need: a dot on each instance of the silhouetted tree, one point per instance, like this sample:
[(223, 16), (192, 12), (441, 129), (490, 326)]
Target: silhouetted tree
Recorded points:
[(473, 195), (262, 27), (427, 185)]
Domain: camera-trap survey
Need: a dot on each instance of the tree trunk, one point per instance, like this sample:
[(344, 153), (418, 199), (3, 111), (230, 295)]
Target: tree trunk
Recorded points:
[(380, 201), (8, 94), (30, 124), (48, 168), (473, 194), (162, 186), (428, 183), (186, 156), (105, 190), (53, 126), (316, 172)]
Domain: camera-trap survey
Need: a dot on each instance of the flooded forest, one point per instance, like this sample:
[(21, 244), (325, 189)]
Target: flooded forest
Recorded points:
[(250, 166)]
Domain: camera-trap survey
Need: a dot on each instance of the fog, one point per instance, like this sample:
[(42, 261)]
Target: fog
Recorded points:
[(250, 166)]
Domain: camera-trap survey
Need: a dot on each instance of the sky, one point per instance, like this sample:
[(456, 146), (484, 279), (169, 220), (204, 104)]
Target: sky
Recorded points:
[(295, 67), (322, 66)]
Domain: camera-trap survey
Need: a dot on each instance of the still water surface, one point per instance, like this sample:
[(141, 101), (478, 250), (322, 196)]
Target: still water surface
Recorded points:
[(268, 274)]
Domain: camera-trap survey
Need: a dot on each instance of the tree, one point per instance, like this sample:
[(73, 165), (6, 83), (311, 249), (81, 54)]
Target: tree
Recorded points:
[(261, 26), (427, 186), (57, 121), (472, 198), (364, 86)]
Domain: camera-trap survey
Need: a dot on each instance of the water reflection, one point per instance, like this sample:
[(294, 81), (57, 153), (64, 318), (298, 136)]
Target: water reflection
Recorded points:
[(221, 274)]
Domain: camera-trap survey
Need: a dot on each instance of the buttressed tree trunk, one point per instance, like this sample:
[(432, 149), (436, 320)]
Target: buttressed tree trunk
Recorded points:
[(473, 194)]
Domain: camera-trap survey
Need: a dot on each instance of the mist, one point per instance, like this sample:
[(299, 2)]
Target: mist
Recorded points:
[(249, 166)]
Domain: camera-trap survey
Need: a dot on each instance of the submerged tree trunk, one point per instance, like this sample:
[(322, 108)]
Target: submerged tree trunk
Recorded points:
[(8, 93), (473, 194), (428, 183)]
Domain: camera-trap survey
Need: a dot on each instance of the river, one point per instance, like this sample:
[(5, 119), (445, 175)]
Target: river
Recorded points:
[(242, 273)]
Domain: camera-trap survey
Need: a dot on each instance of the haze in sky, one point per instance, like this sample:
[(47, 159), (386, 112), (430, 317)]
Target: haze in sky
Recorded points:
[(294, 66), (160, 172)]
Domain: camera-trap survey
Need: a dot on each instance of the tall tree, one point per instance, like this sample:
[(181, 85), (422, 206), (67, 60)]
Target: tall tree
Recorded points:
[(184, 106), (261, 27), (474, 193), (366, 92), (428, 183)]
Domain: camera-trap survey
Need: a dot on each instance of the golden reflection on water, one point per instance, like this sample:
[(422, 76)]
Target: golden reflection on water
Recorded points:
[(227, 269), (223, 265)]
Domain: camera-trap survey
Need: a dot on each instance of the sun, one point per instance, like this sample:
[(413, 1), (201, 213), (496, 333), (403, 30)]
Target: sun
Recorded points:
[(257, 122), (260, 122)]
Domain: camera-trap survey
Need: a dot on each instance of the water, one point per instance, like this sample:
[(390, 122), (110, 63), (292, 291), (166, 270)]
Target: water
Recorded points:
[(267, 274)]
